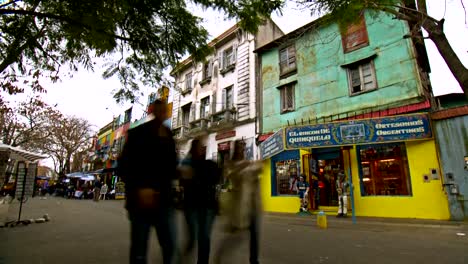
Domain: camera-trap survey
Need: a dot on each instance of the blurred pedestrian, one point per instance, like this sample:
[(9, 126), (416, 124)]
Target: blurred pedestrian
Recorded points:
[(244, 209), (148, 167), (199, 179), (97, 189)]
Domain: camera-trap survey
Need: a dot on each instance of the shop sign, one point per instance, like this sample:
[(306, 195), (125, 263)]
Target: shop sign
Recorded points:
[(387, 129), (272, 145), (224, 146), (224, 135), (120, 190)]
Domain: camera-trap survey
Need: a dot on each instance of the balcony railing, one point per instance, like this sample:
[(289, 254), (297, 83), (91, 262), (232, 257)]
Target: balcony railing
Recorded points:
[(223, 117), (181, 131), (199, 125)]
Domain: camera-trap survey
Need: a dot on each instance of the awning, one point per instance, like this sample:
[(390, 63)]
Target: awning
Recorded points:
[(21, 154), (43, 177), (102, 171), (77, 174), (88, 177)]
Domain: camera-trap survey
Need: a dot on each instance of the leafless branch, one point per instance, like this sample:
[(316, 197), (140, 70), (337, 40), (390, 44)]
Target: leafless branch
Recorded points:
[(464, 9)]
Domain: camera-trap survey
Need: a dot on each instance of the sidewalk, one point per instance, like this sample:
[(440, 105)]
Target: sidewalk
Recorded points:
[(306, 219)]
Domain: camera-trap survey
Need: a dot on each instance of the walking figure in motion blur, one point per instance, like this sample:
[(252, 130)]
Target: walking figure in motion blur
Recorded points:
[(148, 166), (199, 179), (243, 206)]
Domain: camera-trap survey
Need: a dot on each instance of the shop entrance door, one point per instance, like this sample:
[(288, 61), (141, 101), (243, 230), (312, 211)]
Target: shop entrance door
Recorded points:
[(330, 163)]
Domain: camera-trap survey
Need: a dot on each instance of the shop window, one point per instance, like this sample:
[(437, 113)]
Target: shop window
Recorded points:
[(361, 77), (286, 176), (287, 60), (384, 170), (287, 98)]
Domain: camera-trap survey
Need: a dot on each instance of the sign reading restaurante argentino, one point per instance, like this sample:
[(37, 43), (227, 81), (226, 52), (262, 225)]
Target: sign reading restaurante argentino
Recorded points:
[(350, 132)]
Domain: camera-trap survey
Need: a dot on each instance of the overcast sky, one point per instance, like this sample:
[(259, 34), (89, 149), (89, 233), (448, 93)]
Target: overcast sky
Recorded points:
[(87, 95)]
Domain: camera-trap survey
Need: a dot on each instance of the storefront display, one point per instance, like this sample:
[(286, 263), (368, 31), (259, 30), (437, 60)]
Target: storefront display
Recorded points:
[(387, 162), (287, 176), (384, 169)]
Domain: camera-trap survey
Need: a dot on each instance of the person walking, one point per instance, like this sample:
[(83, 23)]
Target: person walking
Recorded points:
[(199, 179), (243, 210), (148, 166), (97, 189), (303, 191)]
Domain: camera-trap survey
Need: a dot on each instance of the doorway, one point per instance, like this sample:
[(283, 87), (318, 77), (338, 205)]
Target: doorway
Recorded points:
[(330, 163)]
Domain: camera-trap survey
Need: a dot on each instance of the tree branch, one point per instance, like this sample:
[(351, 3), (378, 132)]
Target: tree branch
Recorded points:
[(9, 3), (59, 18)]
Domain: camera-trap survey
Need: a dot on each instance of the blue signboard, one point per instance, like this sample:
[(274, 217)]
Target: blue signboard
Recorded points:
[(272, 145), (351, 132)]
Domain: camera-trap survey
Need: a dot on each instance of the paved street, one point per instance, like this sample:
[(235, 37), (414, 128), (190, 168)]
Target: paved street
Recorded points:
[(88, 232)]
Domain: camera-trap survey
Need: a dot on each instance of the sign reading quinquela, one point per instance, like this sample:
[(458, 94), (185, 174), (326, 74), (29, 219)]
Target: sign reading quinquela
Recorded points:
[(386, 129)]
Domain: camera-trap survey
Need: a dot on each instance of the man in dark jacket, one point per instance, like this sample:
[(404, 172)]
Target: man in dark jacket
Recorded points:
[(148, 166)]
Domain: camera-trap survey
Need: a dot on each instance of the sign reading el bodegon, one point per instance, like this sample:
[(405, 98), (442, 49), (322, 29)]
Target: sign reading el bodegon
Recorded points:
[(350, 132)]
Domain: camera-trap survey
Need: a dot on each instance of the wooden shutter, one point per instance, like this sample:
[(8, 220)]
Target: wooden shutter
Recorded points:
[(220, 60), (234, 53), (291, 57), (283, 98), (192, 112), (224, 99), (355, 36), (179, 117), (368, 77), (210, 69), (213, 103)]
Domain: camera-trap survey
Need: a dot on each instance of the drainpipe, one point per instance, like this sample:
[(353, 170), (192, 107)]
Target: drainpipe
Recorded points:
[(258, 98)]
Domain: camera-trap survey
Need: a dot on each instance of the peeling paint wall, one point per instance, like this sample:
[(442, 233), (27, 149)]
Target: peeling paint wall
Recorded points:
[(322, 83), (452, 138)]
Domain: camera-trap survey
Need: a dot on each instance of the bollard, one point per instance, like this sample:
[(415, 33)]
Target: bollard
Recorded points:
[(322, 220)]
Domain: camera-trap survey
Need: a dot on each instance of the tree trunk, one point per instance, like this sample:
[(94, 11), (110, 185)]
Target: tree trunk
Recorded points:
[(459, 71)]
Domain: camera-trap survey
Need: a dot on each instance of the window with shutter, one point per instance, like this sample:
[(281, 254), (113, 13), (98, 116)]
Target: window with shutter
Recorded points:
[(186, 115), (287, 98), (355, 36), (287, 57), (220, 61), (234, 54), (205, 107), (361, 77), (188, 81), (228, 99), (207, 70), (192, 112), (210, 69), (179, 121), (223, 98)]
